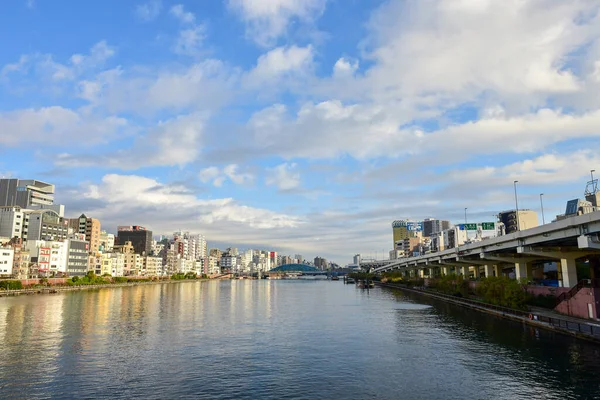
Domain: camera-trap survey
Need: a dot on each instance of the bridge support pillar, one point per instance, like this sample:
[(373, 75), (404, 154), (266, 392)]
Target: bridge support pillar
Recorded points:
[(488, 270), (464, 271), (523, 270), (445, 271), (568, 270), (497, 270)]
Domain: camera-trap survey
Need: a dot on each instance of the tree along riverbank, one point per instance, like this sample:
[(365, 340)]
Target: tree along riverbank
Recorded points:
[(498, 291), (90, 281)]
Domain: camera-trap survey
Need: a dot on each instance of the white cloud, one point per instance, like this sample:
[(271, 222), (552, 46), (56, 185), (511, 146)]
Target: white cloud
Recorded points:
[(205, 85), (345, 67), (546, 169), (183, 16), (208, 174), (229, 172), (515, 50), (267, 20), (48, 72), (98, 54), (523, 134), (189, 41), (283, 64), (165, 208), (332, 129), (284, 177), (148, 11), (175, 142), (56, 126)]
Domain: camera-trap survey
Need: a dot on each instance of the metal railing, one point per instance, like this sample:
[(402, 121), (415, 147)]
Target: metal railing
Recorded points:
[(580, 327), (589, 283)]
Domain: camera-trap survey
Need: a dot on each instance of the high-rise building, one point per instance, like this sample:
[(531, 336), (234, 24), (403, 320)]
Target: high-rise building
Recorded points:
[(400, 231), (45, 225), (25, 193), (12, 221), (7, 256), (215, 253), (320, 263), (432, 226), (90, 227), (140, 238), (527, 219), (107, 241), (78, 257)]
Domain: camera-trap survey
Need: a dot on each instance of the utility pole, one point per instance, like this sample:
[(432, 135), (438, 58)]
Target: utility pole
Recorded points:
[(517, 205), (542, 205)]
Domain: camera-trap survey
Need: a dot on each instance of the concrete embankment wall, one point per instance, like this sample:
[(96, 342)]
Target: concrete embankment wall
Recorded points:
[(585, 331), (582, 305)]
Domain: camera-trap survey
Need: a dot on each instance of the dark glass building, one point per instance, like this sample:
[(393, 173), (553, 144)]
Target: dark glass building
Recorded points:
[(140, 238)]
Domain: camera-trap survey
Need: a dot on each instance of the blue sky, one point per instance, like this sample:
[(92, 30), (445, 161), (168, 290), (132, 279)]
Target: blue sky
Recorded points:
[(304, 126)]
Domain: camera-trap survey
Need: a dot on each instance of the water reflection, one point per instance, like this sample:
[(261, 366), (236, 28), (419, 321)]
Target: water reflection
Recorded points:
[(278, 339), (530, 361)]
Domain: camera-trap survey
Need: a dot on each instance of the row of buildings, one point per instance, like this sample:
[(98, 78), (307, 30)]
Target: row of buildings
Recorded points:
[(36, 240)]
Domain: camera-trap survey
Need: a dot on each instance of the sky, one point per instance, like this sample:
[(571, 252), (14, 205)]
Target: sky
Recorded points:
[(302, 126)]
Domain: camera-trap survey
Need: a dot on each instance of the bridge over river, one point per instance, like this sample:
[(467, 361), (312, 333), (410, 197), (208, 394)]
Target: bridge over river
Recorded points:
[(562, 241)]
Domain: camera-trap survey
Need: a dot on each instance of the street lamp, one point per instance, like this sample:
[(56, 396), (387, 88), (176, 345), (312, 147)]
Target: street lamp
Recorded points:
[(465, 217), (542, 204), (516, 205)]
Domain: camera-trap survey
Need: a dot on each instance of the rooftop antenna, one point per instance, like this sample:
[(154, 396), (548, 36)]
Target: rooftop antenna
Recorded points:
[(592, 186)]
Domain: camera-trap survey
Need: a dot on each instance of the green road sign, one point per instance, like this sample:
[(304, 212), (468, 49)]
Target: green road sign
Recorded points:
[(488, 226), (471, 227)]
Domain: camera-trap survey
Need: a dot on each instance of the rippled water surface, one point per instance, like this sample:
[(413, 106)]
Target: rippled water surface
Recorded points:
[(279, 340)]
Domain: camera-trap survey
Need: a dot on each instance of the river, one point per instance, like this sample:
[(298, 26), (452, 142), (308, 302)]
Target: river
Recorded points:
[(279, 340)]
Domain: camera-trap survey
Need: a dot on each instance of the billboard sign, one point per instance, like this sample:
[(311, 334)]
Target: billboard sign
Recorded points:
[(572, 206), (488, 226), (414, 226)]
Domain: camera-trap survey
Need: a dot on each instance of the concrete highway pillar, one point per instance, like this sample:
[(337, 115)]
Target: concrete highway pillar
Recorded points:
[(464, 271), (568, 270), (421, 273), (445, 271), (594, 267), (521, 270), (488, 270), (497, 270)]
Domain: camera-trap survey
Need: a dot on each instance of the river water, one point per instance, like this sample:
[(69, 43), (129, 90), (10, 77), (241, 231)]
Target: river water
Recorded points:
[(279, 340)]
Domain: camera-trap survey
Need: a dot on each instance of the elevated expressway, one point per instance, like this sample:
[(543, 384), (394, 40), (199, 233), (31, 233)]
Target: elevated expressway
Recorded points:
[(561, 241)]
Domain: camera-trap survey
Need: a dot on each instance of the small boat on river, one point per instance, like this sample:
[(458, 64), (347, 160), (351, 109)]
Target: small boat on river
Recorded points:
[(365, 284)]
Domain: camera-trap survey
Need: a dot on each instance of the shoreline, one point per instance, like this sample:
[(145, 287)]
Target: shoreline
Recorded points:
[(57, 289), (515, 315)]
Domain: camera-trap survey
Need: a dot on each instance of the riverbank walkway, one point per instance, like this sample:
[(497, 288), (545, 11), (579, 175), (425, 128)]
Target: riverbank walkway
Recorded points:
[(536, 316)]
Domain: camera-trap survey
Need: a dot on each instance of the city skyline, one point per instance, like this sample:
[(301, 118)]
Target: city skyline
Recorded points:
[(302, 126)]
